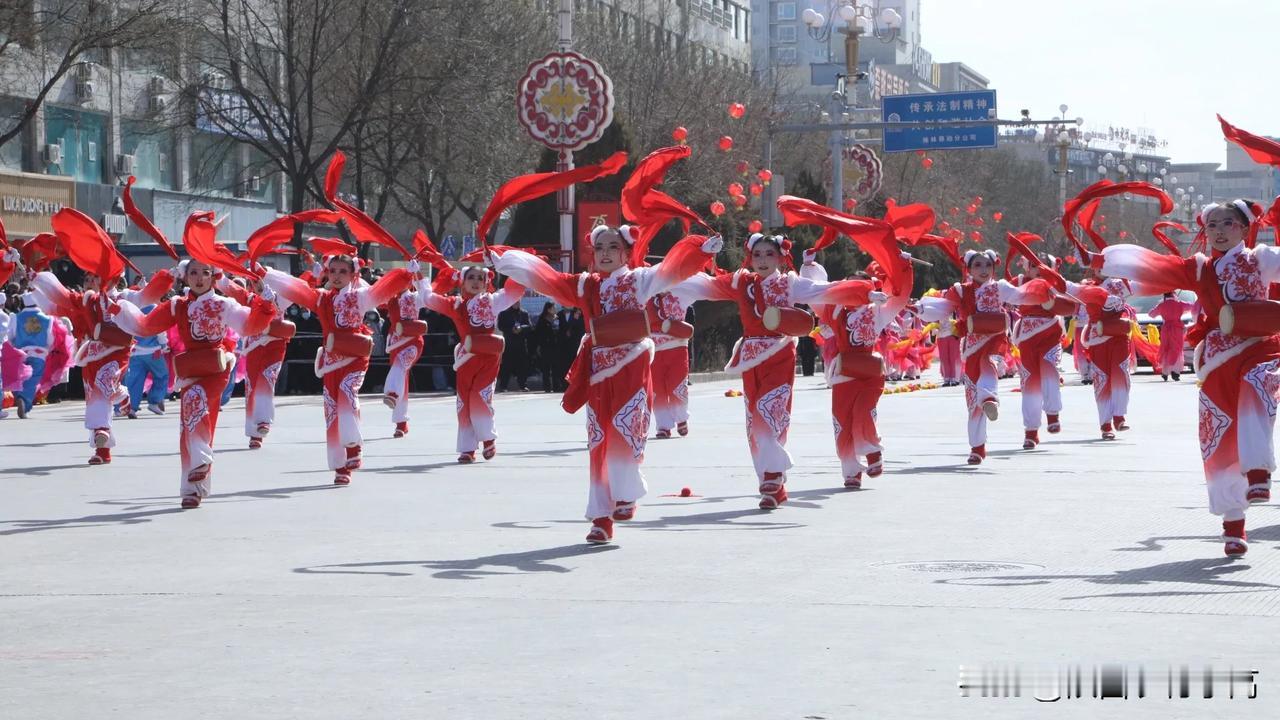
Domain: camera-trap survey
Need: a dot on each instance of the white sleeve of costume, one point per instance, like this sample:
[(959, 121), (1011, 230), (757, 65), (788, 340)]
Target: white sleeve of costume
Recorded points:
[(1268, 257), (936, 309), (234, 315), (129, 318)]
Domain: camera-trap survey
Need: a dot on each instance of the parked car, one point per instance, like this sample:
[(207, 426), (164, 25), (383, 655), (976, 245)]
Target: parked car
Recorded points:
[(1143, 305)]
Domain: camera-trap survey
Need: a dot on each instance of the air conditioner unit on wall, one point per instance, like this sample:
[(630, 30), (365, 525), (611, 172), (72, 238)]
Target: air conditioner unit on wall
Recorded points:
[(84, 71), (84, 90), (157, 84), (255, 183), (124, 164), (53, 154), (157, 103)]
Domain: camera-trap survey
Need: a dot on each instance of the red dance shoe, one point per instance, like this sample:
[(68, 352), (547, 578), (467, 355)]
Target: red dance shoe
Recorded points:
[(875, 464), (190, 502), (467, 458), (263, 429), (853, 482), (1031, 440), (682, 428), (342, 476), (601, 531), (490, 450), (977, 455), (402, 429), (101, 456), (1107, 432), (354, 460), (255, 443), (624, 511), (101, 438), (1121, 425), (773, 501), (390, 400), (664, 434), (1234, 539), (1259, 487), (1055, 426)]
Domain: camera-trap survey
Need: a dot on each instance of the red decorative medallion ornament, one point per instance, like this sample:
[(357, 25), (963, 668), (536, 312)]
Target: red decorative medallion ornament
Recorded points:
[(565, 101)]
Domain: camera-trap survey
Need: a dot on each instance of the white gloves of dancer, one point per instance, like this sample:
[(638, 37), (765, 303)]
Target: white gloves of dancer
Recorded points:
[(177, 271), (878, 297), (12, 255), (267, 293), (713, 245), (490, 259), (414, 267), (810, 256), (3, 299)]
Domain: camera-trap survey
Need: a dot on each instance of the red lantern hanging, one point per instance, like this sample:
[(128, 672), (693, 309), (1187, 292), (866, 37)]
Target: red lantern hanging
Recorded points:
[(735, 189), (756, 188), (978, 222), (740, 200), (926, 163), (850, 204), (737, 110), (975, 236), (755, 226), (680, 134), (1124, 234), (920, 153), (726, 143), (717, 208), (744, 168), (766, 176), (998, 216), (954, 211), (977, 200), (971, 209)]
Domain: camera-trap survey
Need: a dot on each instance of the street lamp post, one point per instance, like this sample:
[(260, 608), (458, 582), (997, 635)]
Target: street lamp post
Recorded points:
[(855, 19)]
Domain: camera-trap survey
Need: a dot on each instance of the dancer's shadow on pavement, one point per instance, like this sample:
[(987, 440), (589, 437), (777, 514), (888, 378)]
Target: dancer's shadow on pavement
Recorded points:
[(532, 561), (43, 470), (747, 518), (576, 449), (20, 527), (136, 512), (1212, 573), (1269, 533)]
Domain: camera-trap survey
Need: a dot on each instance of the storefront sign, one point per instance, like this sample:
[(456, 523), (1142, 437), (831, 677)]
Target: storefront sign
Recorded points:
[(28, 200)]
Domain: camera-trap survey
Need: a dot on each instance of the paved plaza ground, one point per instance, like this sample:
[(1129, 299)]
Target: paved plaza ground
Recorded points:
[(430, 590)]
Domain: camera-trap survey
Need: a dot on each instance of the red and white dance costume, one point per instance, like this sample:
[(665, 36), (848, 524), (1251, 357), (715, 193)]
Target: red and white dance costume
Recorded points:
[(341, 313), (1038, 336), (1079, 355), (1173, 335), (670, 366), (855, 395), (103, 364), (203, 322), (618, 385), (1239, 376), (967, 299), (766, 359), (476, 373), (1110, 356), (952, 366), (263, 355), (403, 351)]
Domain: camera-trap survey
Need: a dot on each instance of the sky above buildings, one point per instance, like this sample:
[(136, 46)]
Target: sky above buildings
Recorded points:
[(1168, 66)]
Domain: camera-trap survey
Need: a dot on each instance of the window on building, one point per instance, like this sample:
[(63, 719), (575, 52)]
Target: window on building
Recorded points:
[(784, 33), (214, 163), (11, 152), (152, 151), (785, 11), (83, 137), (784, 56)]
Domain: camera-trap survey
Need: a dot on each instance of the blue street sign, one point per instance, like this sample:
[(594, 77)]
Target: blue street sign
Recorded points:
[(468, 243), (977, 105), (449, 248)]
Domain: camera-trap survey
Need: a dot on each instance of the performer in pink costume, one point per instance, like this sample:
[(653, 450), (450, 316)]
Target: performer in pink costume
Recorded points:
[(404, 347), (1173, 334), (263, 357)]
